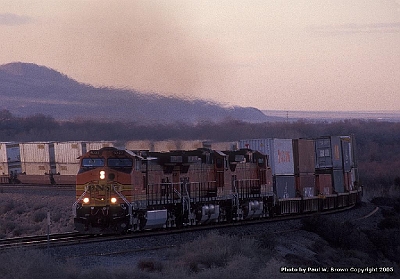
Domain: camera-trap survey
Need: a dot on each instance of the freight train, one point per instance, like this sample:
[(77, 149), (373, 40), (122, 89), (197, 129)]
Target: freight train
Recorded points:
[(57, 163), (43, 163), (123, 190)]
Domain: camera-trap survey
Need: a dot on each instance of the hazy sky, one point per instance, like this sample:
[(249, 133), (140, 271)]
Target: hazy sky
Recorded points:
[(270, 54)]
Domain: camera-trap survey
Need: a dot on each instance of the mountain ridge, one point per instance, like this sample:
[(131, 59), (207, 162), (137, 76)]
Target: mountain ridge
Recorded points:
[(29, 88)]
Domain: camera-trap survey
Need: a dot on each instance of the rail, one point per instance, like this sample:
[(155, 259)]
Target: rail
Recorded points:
[(74, 238)]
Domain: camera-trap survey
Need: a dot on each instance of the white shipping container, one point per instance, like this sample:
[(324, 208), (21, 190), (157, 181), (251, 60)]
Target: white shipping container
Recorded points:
[(9, 168), (9, 152), (261, 145), (3, 152), (67, 168), (279, 151), (4, 168), (13, 153), (37, 152), (158, 146), (281, 157), (139, 145), (168, 145), (224, 145), (31, 168), (188, 144), (68, 152), (96, 145)]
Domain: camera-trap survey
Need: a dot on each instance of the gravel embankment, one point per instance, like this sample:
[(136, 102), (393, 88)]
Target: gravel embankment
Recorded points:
[(288, 236), (290, 244)]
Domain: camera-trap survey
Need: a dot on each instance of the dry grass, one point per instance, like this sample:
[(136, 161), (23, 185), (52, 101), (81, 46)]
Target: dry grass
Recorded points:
[(379, 191), (213, 255), (26, 214), (201, 258)]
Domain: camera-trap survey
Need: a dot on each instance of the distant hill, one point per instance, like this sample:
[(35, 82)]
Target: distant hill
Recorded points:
[(27, 89), (329, 116)]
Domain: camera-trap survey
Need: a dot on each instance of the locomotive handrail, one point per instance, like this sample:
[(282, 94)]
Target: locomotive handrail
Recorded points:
[(343, 194), (126, 201), (309, 198), (120, 195), (235, 195), (185, 196), (290, 199), (178, 193), (78, 200)]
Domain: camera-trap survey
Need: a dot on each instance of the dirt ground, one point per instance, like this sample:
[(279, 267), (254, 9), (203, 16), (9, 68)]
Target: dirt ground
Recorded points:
[(24, 211)]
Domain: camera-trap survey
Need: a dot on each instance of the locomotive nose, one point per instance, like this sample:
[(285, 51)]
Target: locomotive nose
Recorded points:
[(103, 174)]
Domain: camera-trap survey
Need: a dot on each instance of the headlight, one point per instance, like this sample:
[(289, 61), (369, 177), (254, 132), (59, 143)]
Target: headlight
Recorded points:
[(113, 200), (86, 200), (102, 175)]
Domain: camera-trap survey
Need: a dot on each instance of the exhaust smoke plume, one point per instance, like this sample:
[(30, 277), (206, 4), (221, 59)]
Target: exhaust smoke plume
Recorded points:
[(146, 46)]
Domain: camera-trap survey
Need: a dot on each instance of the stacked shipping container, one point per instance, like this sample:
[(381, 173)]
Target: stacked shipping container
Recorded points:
[(166, 146), (304, 166), (299, 167), (96, 145), (335, 166), (308, 167), (37, 162), (10, 161), (43, 162), (349, 163), (67, 156), (37, 158), (67, 160), (280, 156)]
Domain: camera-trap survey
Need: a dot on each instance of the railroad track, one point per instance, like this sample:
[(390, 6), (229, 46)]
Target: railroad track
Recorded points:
[(370, 214), (38, 186), (75, 238), (42, 240), (161, 247)]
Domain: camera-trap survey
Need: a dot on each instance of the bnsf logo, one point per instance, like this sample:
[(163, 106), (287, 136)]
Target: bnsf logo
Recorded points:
[(99, 188), (283, 156)]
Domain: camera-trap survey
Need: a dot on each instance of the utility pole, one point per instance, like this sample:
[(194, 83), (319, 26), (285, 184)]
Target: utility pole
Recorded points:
[(48, 230), (287, 124)]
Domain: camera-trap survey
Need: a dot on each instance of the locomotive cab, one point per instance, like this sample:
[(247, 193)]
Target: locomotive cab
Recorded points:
[(104, 191)]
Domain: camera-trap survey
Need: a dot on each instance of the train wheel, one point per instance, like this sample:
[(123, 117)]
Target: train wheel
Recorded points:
[(121, 228)]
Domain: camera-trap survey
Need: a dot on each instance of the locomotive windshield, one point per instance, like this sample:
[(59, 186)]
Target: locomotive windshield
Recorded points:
[(119, 162), (93, 162)]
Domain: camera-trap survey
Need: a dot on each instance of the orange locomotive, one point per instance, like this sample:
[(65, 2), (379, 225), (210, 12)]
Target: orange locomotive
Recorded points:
[(121, 190), (104, 187)]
